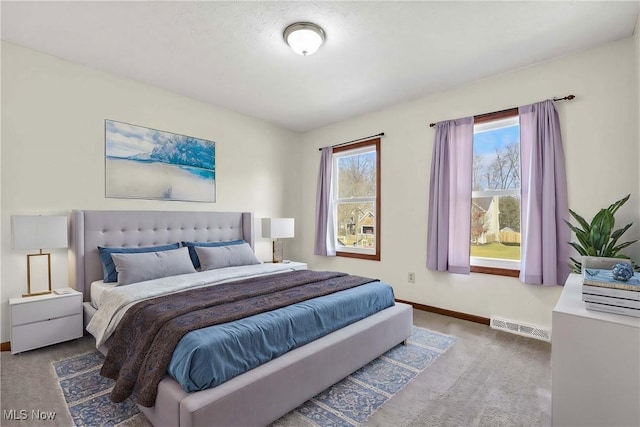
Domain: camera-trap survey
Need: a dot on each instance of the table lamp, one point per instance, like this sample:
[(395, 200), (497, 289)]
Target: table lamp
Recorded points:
[(278, 228), (39, 232)]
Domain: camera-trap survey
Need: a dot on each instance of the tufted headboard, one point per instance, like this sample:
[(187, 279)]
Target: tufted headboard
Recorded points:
[(90, 229)]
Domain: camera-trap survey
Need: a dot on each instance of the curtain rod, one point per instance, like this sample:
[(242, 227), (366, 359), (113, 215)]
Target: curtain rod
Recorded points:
[(564, 98), (354, 140)]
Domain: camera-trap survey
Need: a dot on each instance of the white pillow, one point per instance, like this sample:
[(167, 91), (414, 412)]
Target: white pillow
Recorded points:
[(138, 267), (225, 256)]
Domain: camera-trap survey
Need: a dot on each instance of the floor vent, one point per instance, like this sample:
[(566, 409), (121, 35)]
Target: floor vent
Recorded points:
[(523, 329)]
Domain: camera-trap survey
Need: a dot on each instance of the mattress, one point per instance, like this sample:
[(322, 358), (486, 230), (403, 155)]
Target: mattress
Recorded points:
[(244, 344), (98, 290)]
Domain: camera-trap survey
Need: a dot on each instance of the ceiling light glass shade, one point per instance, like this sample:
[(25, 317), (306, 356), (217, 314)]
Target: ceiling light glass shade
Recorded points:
[(304, 37)]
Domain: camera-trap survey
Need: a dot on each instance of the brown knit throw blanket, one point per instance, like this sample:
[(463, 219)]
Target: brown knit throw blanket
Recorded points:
[(143, 343)]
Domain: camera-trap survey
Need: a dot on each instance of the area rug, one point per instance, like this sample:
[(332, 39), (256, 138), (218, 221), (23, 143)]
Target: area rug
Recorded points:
[(87, 393), (354, 399), (347, 403)]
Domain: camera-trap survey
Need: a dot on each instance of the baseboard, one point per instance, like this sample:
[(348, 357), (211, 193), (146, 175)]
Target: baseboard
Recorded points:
[(450, 313), (5, 346)]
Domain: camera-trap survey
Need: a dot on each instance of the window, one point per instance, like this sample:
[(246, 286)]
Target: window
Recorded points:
[(356, 199), (495, 197), (540, 232)]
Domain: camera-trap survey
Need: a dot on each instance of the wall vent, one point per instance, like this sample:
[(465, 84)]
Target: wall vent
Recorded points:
[(523, 329)]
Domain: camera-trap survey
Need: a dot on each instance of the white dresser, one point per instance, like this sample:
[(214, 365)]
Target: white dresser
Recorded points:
[(595, 364), (44, 320)]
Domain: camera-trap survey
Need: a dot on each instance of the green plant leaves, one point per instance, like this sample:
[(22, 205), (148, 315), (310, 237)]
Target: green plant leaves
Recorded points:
[(601, 227), (615, 206), (611, 247), (598, 238), (584, 224)]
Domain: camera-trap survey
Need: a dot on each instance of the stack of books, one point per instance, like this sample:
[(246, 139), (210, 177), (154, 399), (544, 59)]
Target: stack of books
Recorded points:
[(600, 291)]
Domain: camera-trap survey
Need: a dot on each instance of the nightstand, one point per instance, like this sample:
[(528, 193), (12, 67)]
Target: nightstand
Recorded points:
[(294, 265), (44, 320)]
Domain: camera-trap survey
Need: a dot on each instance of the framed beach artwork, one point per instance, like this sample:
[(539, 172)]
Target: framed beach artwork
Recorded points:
[(144, 163)]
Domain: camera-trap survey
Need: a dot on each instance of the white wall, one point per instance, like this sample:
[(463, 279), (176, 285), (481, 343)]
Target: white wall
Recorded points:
[(636, 38), (53, 114), (601, 146)]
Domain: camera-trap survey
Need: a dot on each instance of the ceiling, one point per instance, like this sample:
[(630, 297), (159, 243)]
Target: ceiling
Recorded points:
[(232, 54)]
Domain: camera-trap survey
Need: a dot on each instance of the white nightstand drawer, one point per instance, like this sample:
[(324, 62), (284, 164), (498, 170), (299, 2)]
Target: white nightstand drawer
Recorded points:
[(38, 309), (35, 335)]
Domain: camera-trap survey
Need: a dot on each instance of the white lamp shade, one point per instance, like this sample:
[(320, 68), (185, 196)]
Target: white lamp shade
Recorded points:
[(39, 232), (278, 228)]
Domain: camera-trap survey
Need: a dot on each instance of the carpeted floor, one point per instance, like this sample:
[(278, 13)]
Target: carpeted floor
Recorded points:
[(488, 378)]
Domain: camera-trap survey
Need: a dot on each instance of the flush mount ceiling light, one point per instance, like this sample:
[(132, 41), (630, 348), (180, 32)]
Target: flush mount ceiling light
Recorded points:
[(304, 37)]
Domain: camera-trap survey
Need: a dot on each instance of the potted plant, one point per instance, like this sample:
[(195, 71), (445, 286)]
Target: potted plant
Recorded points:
[(599, 238)]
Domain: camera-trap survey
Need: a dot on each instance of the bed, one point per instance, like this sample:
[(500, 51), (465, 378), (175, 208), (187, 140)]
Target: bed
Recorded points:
[(265, 393)]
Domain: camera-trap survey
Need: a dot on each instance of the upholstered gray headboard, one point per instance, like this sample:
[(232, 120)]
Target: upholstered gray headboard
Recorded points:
[(90, 229)]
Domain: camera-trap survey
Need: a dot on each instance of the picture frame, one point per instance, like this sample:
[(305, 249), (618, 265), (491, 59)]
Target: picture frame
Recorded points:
[(147, 163)]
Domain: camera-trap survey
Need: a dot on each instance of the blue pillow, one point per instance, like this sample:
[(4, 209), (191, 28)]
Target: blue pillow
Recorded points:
[(109, 268), (194, 255)]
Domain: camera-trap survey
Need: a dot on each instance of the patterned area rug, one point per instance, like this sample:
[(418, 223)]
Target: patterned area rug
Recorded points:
[(354, 399), (347, 403), (87, 393)]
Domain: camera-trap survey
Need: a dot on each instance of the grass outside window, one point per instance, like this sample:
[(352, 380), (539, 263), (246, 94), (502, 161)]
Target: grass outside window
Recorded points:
[(496, 250)]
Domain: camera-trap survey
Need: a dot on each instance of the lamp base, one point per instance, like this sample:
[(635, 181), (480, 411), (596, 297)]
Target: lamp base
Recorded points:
[(48, 261), (36, 294), (278, 251)]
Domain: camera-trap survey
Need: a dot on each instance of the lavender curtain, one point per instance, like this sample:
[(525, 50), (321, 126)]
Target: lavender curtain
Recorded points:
[(544, 206), (325, 240), (449, 224)]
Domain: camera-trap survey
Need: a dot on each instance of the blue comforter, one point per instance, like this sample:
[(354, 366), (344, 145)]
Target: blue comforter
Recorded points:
[(210, 356)]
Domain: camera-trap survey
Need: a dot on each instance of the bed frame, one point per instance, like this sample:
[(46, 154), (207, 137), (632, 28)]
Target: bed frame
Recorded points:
[(264, 394)]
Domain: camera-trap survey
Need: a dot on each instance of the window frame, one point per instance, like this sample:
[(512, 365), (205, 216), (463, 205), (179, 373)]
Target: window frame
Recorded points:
[(508, 268), (357, 252)]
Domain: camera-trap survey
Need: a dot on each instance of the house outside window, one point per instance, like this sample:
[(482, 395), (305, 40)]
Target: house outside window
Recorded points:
[(495, 205), (356, 199)]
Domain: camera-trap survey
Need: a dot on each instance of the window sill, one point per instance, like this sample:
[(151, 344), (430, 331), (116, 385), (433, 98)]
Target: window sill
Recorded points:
[(375, 257), (495, 271)]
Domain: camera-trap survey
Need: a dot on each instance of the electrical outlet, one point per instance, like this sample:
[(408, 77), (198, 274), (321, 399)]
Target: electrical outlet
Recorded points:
[(412, 278)]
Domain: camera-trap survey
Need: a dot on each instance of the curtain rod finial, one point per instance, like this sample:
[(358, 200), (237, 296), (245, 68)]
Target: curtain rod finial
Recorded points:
[(567, 98)]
